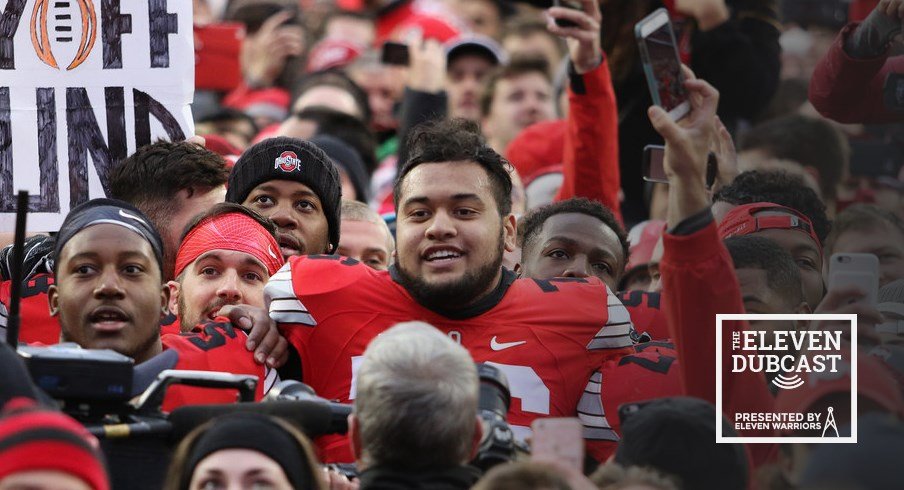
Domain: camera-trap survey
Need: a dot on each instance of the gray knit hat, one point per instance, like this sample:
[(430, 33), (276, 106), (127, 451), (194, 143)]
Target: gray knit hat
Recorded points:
[(286, 158)]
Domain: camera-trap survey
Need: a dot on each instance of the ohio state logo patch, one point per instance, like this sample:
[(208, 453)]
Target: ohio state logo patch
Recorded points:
[(288, 161)]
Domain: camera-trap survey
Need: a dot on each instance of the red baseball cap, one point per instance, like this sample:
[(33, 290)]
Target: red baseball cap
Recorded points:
[(743, 220), (642, 241), (332, 53)]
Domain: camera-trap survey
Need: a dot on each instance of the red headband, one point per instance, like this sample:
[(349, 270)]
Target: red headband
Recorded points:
[(230, 231), (742, 220)]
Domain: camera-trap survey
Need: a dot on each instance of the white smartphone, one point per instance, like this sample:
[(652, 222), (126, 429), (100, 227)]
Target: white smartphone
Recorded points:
[(661, 63), (861, 270), (558, 439)]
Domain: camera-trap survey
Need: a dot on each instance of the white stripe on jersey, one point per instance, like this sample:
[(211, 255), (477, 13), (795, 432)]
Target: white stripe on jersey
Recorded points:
[(616, 333), (270, 379), (281, 301), (591, 414), (3, 315)]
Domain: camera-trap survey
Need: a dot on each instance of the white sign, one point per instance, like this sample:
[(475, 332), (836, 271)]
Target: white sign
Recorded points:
[(83, 83)]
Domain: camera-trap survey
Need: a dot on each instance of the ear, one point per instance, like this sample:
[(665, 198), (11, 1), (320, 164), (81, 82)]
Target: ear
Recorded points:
[(803, 309), (509, 229), (354, 436), (172, 289), (478, 435), (164, 300), (53, 300)]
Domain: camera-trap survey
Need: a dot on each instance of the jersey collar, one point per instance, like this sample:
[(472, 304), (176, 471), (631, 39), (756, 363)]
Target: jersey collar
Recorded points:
[(482, 306)]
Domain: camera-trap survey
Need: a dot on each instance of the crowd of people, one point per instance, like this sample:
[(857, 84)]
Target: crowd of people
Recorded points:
[(389, 197)]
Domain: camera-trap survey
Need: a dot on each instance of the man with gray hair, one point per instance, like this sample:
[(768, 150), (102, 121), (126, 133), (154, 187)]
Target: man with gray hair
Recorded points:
[(415, 422)]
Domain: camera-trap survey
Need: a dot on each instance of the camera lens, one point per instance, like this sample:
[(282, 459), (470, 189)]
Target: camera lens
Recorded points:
[(494, 391)]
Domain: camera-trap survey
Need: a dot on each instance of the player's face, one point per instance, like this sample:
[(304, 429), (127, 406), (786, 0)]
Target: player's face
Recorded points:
[(366, 242), (449, 234), (464, 81), (239, 468), (298, 213), (806, 255), (108, 292), (574, 245), (215, 279)]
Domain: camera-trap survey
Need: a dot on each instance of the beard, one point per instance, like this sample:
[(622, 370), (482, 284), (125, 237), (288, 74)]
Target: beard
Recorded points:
[(456, 294), (214, 305)]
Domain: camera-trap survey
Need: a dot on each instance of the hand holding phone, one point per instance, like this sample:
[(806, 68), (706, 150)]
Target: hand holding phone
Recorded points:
[(661, 63), (558, 440)]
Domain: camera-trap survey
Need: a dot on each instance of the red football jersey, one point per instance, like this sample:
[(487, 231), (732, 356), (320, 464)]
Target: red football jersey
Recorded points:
[(36, 324), (648, 373), (547, 336), (646, 313), (214, 346)]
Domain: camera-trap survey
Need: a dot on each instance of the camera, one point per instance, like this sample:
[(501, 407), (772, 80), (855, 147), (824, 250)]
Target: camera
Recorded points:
[(497, 445)]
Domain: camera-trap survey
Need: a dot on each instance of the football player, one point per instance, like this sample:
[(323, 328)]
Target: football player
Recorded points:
[(109, 294), (453, 201)]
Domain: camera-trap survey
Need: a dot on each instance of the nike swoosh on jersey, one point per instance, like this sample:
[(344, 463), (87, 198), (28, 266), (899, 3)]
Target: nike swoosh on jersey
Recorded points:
[(504, 345)]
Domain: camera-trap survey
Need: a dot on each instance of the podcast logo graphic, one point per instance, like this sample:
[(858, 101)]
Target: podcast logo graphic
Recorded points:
[(797, 363), (777, 354)]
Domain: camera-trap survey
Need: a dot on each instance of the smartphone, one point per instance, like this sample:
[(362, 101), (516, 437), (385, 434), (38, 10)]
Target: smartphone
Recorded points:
[(861, 270), (394, 54), (558, 439), (661, 63), (569, 4), (653, 167), (217, 48)]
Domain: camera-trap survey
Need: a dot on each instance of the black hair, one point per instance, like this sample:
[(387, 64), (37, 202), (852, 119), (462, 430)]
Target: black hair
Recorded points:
[(862, 217), (155, 173), (756, 252), (808, 141), (781, 188), (531, 224), (347, 128), (457, 140)]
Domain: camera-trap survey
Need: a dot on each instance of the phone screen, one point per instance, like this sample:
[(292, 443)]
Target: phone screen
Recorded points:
[(394, 54), (665, 67), (653, 169)]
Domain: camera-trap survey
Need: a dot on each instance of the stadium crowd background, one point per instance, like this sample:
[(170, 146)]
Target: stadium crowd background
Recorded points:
[(373, 219)]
